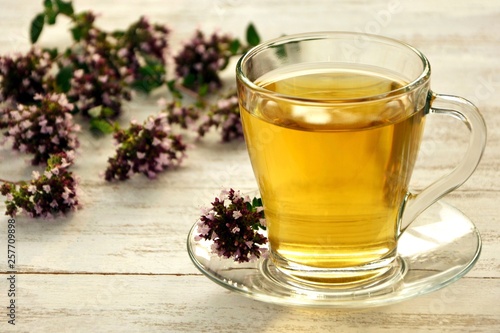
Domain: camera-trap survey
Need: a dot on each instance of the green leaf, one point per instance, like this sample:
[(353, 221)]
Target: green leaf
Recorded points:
[(234, 47), (63, 79), (56, 7), (101, 125), (51, 12), (51, 16), (189, 80), (101, 112), (65, 8), (77, 33), (152, 76), (48, 4), (253, 37), (256, 202), (107, 112), (203, 90), (173, 89), (280, 51), (36, 27), (118, 34), (53, 52)]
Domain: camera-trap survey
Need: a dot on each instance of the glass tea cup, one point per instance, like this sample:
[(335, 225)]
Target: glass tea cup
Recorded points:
[(333, 122)]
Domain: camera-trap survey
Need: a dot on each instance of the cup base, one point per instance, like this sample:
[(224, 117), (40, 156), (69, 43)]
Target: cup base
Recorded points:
[(385, 271), (440, 247)]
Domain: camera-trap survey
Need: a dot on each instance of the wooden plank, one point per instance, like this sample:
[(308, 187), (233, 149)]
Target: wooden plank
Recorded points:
[(127, 243), (170, 303), (121, 235)]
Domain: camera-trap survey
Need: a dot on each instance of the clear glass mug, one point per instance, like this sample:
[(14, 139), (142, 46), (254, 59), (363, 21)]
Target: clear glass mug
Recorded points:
[(333, 123)]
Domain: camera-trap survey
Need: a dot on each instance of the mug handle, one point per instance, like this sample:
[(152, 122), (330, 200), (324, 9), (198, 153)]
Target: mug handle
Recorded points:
[(460, 108)]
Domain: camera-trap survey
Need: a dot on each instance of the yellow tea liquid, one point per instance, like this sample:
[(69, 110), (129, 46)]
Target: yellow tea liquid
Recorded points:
[(332, 176)]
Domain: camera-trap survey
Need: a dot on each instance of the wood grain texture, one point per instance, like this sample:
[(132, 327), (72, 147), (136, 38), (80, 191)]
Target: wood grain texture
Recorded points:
[(170, 303), (120, 264)]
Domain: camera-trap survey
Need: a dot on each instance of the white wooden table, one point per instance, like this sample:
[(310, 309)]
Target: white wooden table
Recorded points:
[(120, 263)]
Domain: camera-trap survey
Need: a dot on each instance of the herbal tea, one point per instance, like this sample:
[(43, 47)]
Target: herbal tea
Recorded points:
[(332, 174)]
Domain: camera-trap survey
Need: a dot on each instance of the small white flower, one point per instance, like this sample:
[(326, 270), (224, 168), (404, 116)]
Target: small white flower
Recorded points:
[(14, 130), (55, 140), (236, 195), (123, 52), (78, 73), (200, 48), (156, 141), (26, 124), (46, 188), (149, 125), (205, 210), (223, 194), (163, 159), (38, 209), (203, 229), (237, 214), (223, 103), (162, 102)]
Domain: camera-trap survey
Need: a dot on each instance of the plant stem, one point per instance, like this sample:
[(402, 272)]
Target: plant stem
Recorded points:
[(9, 182)]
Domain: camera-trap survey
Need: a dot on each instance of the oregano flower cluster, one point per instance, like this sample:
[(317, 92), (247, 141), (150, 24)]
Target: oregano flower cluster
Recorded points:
[(149, 149), (97, 88), (42, 90), (43, 128), (46, 195), (198, 64), (142, 49), (225, 114), (106, 66), (184, 116), (232, 223), (22, 76)]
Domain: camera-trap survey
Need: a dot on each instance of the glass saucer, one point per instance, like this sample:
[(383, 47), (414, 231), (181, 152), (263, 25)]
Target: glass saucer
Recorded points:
[(438, 248)]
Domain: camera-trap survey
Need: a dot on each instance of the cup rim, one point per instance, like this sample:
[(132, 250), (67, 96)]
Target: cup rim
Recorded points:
[(410, 86)]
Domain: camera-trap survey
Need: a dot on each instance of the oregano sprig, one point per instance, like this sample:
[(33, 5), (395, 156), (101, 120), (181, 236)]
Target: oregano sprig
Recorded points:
[(47, 195), (149, 149), (52, 9), (232, 223), (42, 90), (22, 76), (203, 57), (43, 128), (225, 116)]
